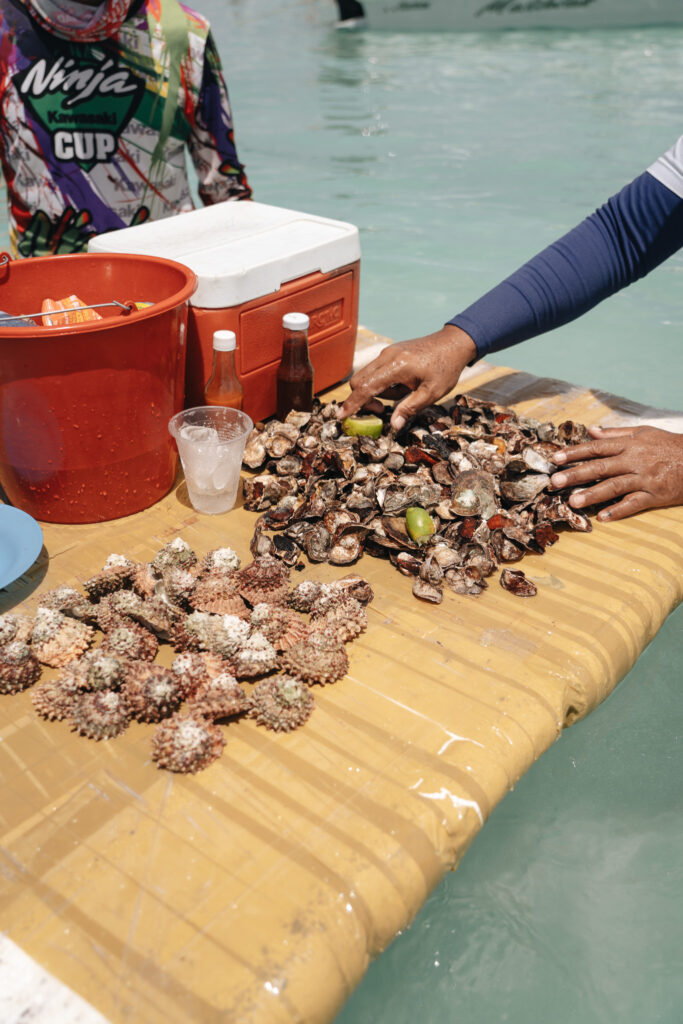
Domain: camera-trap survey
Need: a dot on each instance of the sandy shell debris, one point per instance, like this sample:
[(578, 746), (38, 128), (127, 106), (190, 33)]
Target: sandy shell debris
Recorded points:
[(132, 641), (100, 715), (176, 554), (281, 703), (116, 573), (152, 692), (55, 699), (57, 639), (187, 743), (319, 659), (256, 657), (19, 668), (15, 627), (220, 697)]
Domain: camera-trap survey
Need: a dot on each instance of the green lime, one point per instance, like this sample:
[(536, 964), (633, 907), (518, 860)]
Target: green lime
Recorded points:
[(419, 524), (362, 426)]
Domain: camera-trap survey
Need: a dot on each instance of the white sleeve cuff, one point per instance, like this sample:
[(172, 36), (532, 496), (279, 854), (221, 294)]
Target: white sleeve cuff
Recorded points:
[(668, 169)]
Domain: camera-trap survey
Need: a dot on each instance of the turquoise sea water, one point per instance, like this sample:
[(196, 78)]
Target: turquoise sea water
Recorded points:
[(458, 157)]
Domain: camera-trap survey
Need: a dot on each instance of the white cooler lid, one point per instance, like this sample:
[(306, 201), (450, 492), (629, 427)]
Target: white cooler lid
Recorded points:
[(240, 250)]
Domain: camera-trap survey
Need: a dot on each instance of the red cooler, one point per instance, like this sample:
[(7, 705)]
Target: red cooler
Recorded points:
[(253, 264)]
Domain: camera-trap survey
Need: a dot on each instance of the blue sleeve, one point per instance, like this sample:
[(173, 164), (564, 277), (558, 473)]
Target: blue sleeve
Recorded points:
[(634, 231)]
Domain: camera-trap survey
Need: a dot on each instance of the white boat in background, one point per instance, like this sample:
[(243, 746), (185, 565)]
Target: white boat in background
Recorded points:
[(478, 15)]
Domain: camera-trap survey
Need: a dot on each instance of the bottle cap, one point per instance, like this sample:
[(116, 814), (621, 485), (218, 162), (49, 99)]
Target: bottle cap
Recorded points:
[(224, 341), (295, 322)]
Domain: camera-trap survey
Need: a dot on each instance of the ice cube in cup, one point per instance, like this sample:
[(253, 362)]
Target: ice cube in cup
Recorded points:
[(211, 442)]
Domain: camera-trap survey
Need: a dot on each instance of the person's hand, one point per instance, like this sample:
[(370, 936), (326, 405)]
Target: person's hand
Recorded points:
[(428, 366), (642, 467)]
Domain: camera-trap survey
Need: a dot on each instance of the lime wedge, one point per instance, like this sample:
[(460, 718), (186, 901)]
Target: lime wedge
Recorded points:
[(362, 426)]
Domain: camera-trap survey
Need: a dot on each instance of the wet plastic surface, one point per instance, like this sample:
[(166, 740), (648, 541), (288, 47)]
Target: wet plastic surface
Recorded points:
[(258, 890)]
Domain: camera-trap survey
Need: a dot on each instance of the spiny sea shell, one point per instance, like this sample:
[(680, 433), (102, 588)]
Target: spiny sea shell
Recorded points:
[(330, 595), (256, 657), (187, 743), (130, 640), (176, 585), (115, 608), (264, 579), (346, 619), (220, 697), (319, 659), (281, 703), (303, 595), (218, 594), (157, 615), (97, 670), (282, 626), (152, 691), (69, 601), (55, 699), (144, 579), (191, 671), (15, 627), (180, 638), (57, 639), (223, 634), (116, 572), (176, 554), (222, 560), (355, 586), (19, 668), (100, 715)]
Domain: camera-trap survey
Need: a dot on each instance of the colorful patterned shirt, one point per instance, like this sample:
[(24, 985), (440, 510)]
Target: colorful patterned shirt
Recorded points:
[(93, 132)]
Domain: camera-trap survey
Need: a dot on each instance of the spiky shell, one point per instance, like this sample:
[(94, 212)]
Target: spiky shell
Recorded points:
[(215, 665), (100, 715), (55, 699), (220, 697), (319, 659), (19, 668), (180, 638), (144, 579), (256, 657), (69, 601), (57, 639), (116, 573), (187, 743), (114, 609), (330, 595), (282, 703), (15, 627), (191, 672), (177, 584), (354, 585), (223, 634), (176, 554), (264, 579), (222, 560), (130, 640), (157, 615), (152, 692), (218, 594), (303, 595), (346, 619), (282, 626), (97, 670)]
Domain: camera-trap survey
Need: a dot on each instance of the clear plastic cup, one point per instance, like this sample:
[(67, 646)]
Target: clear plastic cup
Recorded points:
[(211, 440)]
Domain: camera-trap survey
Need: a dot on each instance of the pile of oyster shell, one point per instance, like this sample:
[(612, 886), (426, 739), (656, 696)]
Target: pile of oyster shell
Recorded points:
[(479, 471), (248, 642)]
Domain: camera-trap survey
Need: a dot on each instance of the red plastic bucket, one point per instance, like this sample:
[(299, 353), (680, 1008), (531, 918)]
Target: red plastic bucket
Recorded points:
[(84, 410)]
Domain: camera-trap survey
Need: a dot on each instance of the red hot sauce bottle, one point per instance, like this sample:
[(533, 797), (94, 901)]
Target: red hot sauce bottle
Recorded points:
[(295, 372)]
